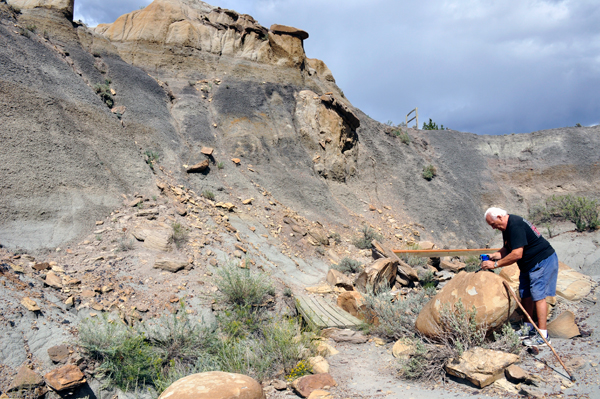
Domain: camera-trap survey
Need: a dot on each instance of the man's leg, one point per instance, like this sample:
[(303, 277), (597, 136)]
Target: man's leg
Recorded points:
[(541, 308), (528, 306)]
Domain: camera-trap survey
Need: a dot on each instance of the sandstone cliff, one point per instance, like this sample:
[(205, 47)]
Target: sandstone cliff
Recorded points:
[(187, 75)]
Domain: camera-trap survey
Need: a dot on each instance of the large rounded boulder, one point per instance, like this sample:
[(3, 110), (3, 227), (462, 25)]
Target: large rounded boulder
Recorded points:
[(214, 385), (482, 290)]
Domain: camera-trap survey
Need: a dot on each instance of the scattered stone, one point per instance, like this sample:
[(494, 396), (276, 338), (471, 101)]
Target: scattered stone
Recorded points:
[(403, 348), (180, 209), (319, 236), (484, 291), (238, 246), (515, 374), (426, 245), (379, 341), (199, 167), (319, 364), (65, 377), (135, 202), (59, 353), (345, 335), (170, 264), (279, 385), (320, 394), (30, 304), (339, 279), (504, 385), (159, 240), (305, 385), (25, 379), (70, 302), (236, 161), (149, 214), (16, 268), (248, 201), (53, 280), (575, 363), (237, 254), (326, 350), (225, 205), (444, 275), (214, 385), (206, 151), (99, 223), (88, 293), (41, 266), (563, 326), (452, 266), (481, 366), (352, 302), (531, 392)]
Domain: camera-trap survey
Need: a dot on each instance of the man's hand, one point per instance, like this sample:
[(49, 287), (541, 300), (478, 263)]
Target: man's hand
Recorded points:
[(487, 265)]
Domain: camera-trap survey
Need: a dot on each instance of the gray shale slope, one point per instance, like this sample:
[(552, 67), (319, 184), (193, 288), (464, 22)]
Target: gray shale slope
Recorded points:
[(67, 159)]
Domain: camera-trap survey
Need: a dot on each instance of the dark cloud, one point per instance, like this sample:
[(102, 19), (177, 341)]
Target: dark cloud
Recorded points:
[(488, 67)]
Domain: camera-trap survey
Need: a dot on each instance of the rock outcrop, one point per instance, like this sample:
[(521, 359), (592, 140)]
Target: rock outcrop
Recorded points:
[(63, 6), (483, 291), (198, 25), (481, 366)]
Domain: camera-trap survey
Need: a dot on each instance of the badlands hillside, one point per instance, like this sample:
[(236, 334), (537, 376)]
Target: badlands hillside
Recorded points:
[(185, 114)]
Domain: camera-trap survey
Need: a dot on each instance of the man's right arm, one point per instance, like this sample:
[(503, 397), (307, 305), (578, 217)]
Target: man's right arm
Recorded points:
[(500, 254)]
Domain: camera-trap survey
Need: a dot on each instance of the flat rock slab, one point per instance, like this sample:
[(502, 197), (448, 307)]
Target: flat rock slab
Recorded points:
[(481, 366), (170, 264), (65, 377), (304, 386), (25, 379), (59, 353), (563, 326)]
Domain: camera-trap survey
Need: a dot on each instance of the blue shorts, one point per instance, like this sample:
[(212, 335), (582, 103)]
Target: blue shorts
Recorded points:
[(540, 281)]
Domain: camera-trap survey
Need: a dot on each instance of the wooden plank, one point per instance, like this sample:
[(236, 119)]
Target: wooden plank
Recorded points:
[(346, 318), (327, 310), (321, 314), (436, 253)]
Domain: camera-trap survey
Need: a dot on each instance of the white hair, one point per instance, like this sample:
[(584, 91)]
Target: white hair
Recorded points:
[(495, 212)]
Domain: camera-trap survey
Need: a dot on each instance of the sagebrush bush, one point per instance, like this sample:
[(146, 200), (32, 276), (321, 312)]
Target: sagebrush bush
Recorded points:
[(347, 265), (241, 287), (396, 319), (581, 211), (365, 240), (208, 195), (103, 90), (179, 235), (472, 263), (429, 172)]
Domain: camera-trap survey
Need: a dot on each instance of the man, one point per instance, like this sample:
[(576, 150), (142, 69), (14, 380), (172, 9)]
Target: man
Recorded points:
[(538, 265)]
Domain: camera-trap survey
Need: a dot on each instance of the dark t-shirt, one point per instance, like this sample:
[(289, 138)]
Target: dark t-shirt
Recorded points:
[(522, 233)]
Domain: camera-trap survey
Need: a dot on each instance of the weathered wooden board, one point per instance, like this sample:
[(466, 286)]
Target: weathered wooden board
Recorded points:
[(436, 253), (321, 314)]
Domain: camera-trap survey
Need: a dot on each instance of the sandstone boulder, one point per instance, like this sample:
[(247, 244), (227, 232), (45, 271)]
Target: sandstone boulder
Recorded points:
[(30, 304), (158, 240), (288, 30), (563, 326), (511, 274), (320, 394), (483, 290), (352, 302), (339, 279), (481, 366), (214, 385), (403, 348), (515, 374), (304, 386), (572, 285), (406, 271), (65, 377), (171, 264), (378, 275)]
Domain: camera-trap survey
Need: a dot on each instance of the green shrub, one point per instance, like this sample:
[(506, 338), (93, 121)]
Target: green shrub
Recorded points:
[(103, 90), (347, 265), (220, 165), (208, 195), (241, 287), (151, 157), (336, 237), (432, 126), (429, 172), (287, 291), (581, 211), (472, 264), (404, 137), (179, 235), (414, 261), (365, 240), (127, 360), (397, 318), (427, 279), (125, 244), (32, 28)]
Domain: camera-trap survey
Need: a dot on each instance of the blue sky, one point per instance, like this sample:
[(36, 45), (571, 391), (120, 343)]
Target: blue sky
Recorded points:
[(480, 66)]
